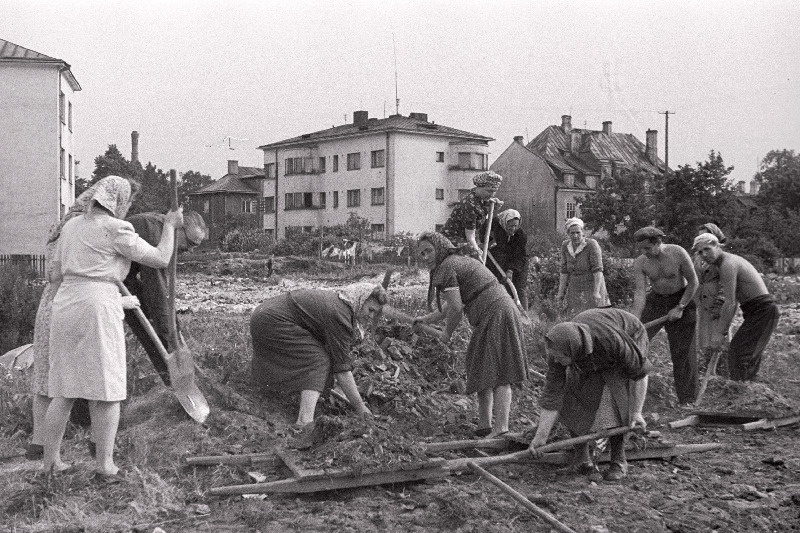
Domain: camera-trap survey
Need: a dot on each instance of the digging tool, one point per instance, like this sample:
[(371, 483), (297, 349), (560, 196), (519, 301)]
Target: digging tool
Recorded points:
[(710, 371), (488, 233), (511, 287), (657, 322), (538, 511)]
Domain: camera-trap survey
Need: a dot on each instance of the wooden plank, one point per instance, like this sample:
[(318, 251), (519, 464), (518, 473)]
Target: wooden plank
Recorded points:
[(333, 473), (773, 423), (290, 461), (692, 420), (563, 458), (486, 444), (240, 459), (301, 486)]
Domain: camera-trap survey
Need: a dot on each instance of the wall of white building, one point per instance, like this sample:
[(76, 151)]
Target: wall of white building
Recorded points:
[(33, 194)]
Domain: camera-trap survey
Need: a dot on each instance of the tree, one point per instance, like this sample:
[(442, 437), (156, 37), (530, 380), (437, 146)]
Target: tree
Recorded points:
[(779, 180), (689, 197), (620, 206), (112, 163), (189, 182), (154, 194)]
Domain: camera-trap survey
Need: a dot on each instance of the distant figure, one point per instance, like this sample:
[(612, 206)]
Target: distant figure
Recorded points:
[(581, 280), (467, 222), (270, 265), (673, 283), (741, 283), (510, 252), (596, 379)]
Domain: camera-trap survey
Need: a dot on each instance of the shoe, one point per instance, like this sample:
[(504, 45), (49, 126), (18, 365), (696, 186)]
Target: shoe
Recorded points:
[(108, 479), (34, 452), (482, 432), (589, 470), (616, 472), (92, 449)]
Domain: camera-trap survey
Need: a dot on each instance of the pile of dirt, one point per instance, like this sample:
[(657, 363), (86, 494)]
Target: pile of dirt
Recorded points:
[(360, 444), (727, 396)]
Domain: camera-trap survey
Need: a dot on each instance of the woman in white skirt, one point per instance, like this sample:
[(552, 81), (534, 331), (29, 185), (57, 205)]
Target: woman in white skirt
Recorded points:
[(87, 340)]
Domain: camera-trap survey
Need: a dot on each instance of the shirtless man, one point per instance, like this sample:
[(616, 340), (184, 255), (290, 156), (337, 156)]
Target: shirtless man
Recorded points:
[(673, 282), (740, 283)]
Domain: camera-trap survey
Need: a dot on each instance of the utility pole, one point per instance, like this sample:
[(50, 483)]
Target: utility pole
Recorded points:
[(666, 135)]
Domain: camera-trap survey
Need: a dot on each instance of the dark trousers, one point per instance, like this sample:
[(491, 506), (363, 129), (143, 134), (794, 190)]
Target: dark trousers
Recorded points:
[(747, 346), (681, 341)]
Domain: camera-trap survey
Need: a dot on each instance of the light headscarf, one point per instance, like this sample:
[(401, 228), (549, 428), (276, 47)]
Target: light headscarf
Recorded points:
[(443, 249), (507, 216), (575, 221), (573, 339), (114, 193), (715, 231), (487, 179), (573, 251), (356, 294), (704, 239)]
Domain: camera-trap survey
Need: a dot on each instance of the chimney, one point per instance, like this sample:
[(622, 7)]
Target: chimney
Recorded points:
[(419, 116), (518, 139), (754, 187), (566, 123), (233, 166), (360, 118), (134, 147), (651, 148), (574, 141), (740, 186), (607, 127)]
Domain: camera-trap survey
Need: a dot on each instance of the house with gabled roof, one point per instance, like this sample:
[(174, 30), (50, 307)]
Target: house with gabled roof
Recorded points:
[(545, 178), (37, 155), (402, 173), (235, 197)]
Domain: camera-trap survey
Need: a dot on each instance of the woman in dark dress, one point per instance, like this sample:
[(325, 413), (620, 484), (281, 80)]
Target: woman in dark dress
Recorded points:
[(302, 341), (466, 226), (495, 357), (510, 252)]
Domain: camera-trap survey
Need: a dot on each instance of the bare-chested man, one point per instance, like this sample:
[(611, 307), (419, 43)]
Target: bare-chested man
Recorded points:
[(740, 283), (673, 282)]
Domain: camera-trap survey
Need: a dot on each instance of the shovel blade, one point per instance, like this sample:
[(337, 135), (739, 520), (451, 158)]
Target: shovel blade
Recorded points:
[(180, 364)]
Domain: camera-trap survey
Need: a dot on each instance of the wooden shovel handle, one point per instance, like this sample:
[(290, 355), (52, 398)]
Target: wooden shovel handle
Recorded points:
[(488, 232), (173, 265), (148, 327)]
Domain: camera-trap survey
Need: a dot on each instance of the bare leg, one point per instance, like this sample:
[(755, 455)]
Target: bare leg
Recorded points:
[(40, 405), (502, 408), (55, 423), (308, 403), (105, 420), (485, 405)]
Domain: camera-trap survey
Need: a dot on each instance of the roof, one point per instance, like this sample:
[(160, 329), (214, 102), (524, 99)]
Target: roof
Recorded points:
[(596, 146), (14, 53), (393, 123), (234, 183)]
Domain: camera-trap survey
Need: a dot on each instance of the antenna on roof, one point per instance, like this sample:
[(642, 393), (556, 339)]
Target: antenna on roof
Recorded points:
[(396, 96)]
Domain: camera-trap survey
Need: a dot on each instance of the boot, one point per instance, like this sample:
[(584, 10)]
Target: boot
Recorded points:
[(619, 465)]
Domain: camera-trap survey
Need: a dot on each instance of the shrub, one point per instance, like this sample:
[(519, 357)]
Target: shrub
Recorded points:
[(246, 240), (20, 292)]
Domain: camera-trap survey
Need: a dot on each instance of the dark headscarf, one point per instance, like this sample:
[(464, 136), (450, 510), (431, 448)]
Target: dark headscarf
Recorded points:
[(714, 230), (444, 249), (573, 339)]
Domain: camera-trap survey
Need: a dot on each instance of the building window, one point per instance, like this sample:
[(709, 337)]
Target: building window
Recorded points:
[(377, 230), (440, 194), (378, 197), (269, 170), (308, 199), (247, 206), (69, 169), (378, 158), (267, 204), (570, 210), (336, 163), (206, 205), (463, 193), (298, 165), (61, 163), (299, 200), (472, 161), (322, 200), (440, 157), (354, 161), (61, 108), (321, 167), (69, 115), (335, 199), (353, 197), (270, 233)]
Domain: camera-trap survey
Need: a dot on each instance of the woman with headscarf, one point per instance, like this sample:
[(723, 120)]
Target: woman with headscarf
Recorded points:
[(495, 358), (597, 370), (302, 340), (710, 296), (581, 281), (510, 252), (466, 226), (41, 328), (87, 340)]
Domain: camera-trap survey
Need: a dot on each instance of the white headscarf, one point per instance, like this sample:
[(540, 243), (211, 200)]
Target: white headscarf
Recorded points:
[(507, 216), (574, 221)]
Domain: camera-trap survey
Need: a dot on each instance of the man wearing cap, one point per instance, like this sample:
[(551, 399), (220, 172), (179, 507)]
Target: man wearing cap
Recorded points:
[(467, 222), (740, 283), (673, 282)]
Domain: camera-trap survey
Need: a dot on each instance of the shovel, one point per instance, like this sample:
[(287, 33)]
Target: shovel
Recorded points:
[(511, 287)]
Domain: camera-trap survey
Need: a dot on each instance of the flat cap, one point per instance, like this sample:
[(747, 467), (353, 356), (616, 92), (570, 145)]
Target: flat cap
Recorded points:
[(647, 232)]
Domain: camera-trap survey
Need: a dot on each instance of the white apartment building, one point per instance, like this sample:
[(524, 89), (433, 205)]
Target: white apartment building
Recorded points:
[(401, 173), (37, 158)]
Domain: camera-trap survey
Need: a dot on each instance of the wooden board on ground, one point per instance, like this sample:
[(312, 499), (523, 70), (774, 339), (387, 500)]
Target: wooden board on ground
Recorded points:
[(719, 419)]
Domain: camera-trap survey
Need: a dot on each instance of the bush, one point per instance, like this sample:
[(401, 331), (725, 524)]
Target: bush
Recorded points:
[(246, 240), (20, 292), (760, 251)]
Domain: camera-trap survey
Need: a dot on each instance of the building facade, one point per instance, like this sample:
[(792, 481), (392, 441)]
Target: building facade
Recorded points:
[(401, 173), (37, 157)]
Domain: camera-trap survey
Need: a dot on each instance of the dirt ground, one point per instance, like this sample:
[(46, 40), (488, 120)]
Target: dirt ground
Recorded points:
[(414, 386)]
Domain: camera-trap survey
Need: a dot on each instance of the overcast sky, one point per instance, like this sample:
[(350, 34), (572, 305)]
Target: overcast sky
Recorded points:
[(188, 74)]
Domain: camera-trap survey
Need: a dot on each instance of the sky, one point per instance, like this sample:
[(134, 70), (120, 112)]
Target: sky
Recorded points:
[(203, 82)]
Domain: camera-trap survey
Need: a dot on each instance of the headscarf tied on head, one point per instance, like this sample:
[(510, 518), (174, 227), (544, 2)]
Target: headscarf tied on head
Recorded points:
[(573, 339), (488, 178), (356, 294), (114, 193), (84, 201), (507, 216), (443, 249), (714, 230), (574, 221)]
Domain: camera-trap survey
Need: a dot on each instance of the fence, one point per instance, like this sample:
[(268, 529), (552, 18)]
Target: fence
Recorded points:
[(37, 263)]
